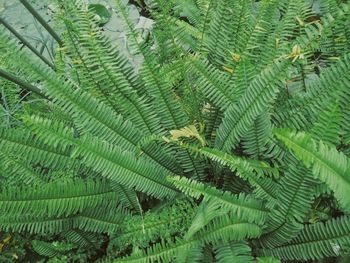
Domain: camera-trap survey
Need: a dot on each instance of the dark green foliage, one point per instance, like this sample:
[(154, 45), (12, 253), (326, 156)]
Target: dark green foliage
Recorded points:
[(230, 142)]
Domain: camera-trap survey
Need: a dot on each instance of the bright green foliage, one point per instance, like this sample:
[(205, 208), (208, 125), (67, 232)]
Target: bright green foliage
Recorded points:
[(238, 252), (321, 239), (328, 164), (245, 207), (230, 142)]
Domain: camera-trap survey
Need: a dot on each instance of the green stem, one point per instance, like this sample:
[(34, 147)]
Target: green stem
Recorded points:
[(22, 83), (26, 43), (42, 21)]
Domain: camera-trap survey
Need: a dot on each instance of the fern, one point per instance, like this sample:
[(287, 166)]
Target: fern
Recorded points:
[(316, 241), (229, 142), (328, 165), (220, 229), (233, 252), (245, 208)]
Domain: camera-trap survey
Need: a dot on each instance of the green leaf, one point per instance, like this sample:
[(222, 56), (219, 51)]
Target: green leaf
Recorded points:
[(101, 12)]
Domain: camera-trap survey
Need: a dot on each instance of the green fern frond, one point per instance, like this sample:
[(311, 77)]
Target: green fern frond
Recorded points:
[(162, 95), (95, 220), (112, 74), (238, 252), (293, 203), (328, 165), (18, 172), (109, 160), (213, 83), (316, 241), (220, 229), (243, 206), (239, 118), (327, 128), (140, 231), (53, 249), (256, 139), (246, 169), (20, 143), (57, 198)]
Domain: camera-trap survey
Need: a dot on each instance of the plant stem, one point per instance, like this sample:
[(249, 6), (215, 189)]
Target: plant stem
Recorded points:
[(42, 21), (26, 43), (27, 86)]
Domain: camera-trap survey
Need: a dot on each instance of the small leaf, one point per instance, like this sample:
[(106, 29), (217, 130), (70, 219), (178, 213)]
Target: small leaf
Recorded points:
[(102, 12)]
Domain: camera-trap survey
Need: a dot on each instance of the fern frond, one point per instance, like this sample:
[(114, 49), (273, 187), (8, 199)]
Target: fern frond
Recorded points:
[(18, 171), (316, 241), (95, 220), (328, 126), (245, 168), (293, 203), (328, 165), (219, 32), (111, 161), (111, 77), (221, 229), (239, 118), (24, 144), (53, 249), (57, 198), (243, 206), (162, 95), (213, 83), (140, 231), (256, 139), (238, 252), (81, 238)]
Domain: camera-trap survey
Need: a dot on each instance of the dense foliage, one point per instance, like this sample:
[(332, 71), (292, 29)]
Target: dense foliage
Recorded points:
[(230, 142)]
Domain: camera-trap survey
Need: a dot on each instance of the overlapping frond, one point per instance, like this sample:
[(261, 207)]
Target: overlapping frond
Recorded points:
[(57, 198), (293, 204), (243, 206), (95, 220), (156, 86), (221, 229), (327, 163), (111, 161), (239, 252), (324, 239), (239, 117)]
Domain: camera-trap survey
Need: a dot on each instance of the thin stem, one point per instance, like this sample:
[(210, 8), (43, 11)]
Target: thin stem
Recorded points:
[(42, 21), (26, 43), (22, 83)]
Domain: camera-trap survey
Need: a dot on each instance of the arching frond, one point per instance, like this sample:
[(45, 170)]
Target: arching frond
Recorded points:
[(316, 241), (222, 228), (239, 252), (95, 220), (293, 203), (328, 126), (140, 231), (257, 97), (243, 206), (328, 165), (57, 198)]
